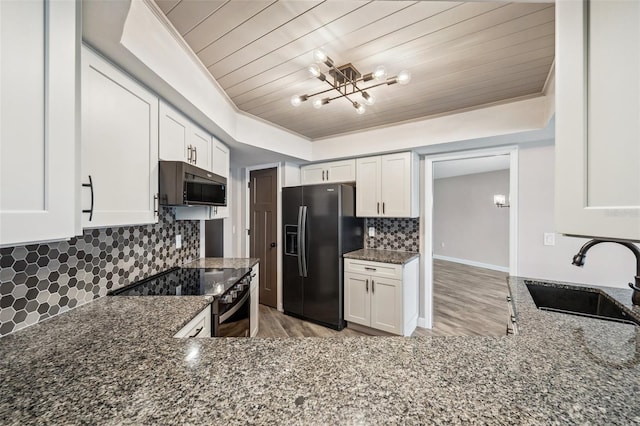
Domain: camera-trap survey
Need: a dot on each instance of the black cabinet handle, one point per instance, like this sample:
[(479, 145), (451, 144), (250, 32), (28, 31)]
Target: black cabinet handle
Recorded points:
[(368, 268), (373, 290), (195, 159), (366, 286), (327, 174), (90, 186), (383, 207), (189, 155), (198, 330), (156, 204), (323, 175), (378, 208)]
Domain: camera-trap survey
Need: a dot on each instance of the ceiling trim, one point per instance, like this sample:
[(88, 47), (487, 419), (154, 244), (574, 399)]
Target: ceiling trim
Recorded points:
[(153, 6)]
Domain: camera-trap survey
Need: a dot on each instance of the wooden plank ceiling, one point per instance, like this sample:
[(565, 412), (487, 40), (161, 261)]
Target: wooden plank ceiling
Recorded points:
[(460, 55)]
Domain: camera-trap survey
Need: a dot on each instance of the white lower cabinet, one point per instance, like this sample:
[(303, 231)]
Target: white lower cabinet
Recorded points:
[(382, 296), (119, 147), (199, 326), (254, 309)]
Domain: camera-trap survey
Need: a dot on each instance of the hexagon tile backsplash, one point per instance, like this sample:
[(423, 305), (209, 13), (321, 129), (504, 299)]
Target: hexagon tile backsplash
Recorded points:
[(41, 280), (393, 234)]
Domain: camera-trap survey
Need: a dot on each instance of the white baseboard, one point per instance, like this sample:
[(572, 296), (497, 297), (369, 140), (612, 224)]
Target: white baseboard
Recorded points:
[(472, 263), (422, 322)]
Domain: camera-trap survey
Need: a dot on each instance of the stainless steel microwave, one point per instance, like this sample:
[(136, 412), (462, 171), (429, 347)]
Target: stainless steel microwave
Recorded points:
[(183, 184)]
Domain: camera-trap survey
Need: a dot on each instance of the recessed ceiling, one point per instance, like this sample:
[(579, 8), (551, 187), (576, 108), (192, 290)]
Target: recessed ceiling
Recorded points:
[(461, 55)]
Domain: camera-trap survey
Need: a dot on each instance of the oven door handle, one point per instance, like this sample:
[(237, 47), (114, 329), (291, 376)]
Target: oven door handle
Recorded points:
[(233, 310)]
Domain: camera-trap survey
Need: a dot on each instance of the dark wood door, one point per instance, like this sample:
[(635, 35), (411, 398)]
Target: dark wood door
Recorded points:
[(263, 211)]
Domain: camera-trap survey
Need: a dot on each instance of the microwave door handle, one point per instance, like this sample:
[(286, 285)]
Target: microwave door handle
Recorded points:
[(304, 242), (299, 237)]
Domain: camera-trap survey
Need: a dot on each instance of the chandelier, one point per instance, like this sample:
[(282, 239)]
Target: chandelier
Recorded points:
[(344, 80)]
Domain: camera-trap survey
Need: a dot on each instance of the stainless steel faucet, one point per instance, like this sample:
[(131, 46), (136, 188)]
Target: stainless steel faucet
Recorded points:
[(578, 260)]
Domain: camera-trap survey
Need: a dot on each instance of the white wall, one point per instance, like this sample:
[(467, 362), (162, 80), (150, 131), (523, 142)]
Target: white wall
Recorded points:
[(466, 224), (605, 264)]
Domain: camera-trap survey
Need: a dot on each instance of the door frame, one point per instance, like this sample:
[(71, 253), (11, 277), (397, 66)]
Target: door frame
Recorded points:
[(426, 220), (247, 217)]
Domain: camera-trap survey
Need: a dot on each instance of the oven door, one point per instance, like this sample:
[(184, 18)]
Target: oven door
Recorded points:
[(235, 321)]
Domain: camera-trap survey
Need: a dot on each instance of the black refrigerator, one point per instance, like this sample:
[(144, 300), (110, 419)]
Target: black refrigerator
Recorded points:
[(319, 225)]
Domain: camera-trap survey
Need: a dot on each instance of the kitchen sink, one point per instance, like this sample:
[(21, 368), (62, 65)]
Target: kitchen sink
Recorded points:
[(578, 302)]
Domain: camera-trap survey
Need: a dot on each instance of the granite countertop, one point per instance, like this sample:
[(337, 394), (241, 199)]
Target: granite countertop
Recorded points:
[(222, 262), (383, 256), (113, 361)]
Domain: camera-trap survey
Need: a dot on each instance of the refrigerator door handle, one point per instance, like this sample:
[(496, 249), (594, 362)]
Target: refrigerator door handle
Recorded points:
[(299, 237), (303, 244)]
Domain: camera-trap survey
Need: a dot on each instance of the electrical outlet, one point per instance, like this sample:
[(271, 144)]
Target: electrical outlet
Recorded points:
[(549, 239), (372, 231), (178, 241)]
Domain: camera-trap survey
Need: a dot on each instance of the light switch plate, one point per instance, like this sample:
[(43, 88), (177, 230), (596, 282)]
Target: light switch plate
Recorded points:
[(372, 231), (178, 241), (549, 239)]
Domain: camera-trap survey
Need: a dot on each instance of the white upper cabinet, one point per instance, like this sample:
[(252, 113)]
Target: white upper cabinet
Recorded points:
[(40, 65), (387, 186), (598, 118), (220, 158), (119, 147), (332, 172), (182, 140)]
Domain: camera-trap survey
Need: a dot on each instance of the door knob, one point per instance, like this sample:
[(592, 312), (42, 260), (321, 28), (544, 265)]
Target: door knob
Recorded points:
[(273, 244)]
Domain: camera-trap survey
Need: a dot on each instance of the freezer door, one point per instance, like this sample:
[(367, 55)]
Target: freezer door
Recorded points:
[(292, 290), (323, 282)]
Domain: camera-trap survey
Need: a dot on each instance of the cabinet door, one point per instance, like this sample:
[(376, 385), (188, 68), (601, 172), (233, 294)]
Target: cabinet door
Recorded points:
[(200, 142), (340, 171), (396, 185), (38, 144), (597, 125), (119, 146), (356, 299), (220, 159), (386, 304), (312, 174), (368, 187), (174, 130)]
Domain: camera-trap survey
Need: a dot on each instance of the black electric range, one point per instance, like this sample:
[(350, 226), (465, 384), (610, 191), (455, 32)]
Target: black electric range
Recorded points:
[(230, 289), (185, 282)]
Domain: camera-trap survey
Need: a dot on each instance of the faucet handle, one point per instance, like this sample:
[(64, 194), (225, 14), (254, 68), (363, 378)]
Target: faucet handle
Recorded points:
[(634, 286)]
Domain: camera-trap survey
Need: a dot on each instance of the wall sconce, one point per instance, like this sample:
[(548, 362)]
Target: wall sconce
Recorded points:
[(500, 200)]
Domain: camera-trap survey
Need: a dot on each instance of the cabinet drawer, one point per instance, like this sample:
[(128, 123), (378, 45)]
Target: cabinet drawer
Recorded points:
[(200, 326), (375, 269)]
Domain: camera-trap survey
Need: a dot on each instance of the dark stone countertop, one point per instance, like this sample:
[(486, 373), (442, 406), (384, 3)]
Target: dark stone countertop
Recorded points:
[(383, 256), (113, 361)]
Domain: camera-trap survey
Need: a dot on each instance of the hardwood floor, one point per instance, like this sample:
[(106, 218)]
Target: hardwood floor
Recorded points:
[(468, 301)]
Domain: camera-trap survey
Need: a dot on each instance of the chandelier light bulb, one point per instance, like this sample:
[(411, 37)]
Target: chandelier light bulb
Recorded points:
[(319, 55), (404, 77), (368, 98), (317, 104), (314, 70), (360, 109), (296, 100), (380, 73)]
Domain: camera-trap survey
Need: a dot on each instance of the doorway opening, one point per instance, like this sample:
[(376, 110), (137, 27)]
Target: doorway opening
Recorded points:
[(470, 238)]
